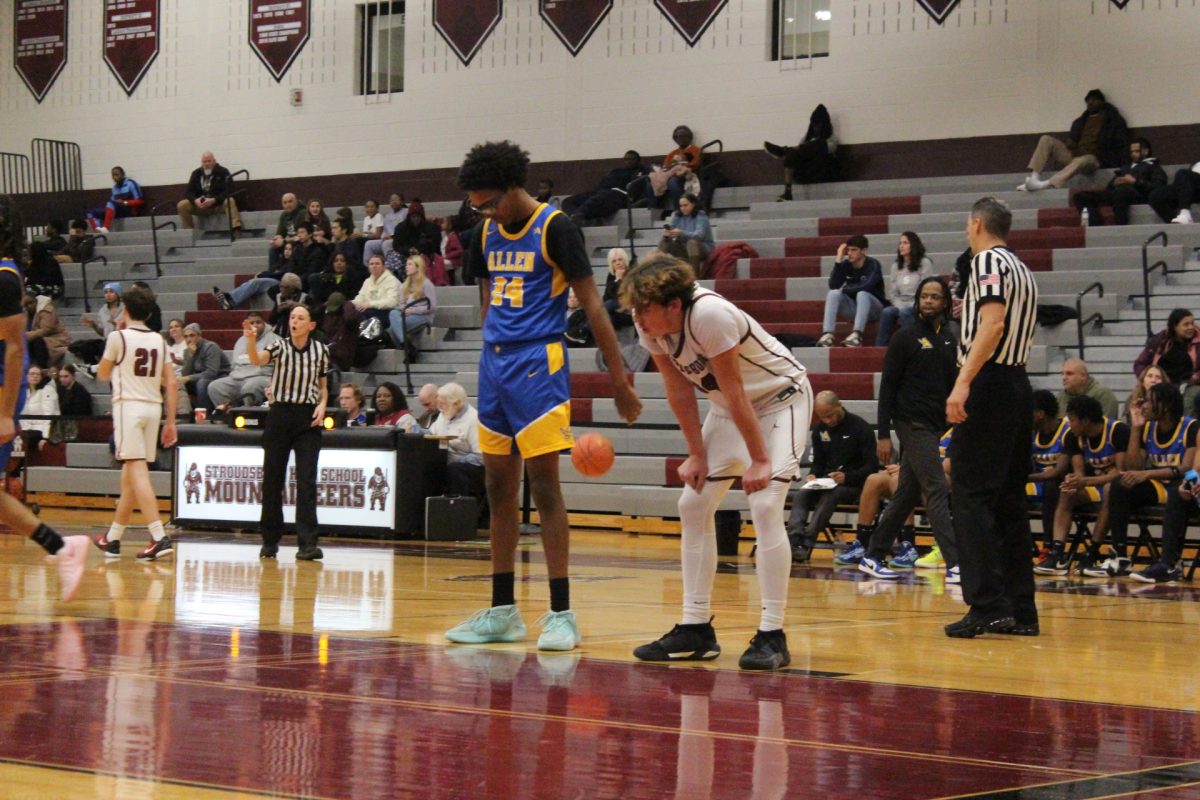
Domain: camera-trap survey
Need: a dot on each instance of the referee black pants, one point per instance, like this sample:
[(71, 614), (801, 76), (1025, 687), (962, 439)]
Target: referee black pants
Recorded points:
[(989, 462), (289, 427)]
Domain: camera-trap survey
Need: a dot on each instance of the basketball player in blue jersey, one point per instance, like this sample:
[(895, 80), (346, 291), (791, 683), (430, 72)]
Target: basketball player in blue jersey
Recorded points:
[(1162, 447), (1050, 463), (525, 255), (70, 552)]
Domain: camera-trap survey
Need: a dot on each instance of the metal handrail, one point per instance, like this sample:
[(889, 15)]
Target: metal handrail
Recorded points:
[(155, 227), (87, 305), (1147, 268), (1080, 322), (233, 193)]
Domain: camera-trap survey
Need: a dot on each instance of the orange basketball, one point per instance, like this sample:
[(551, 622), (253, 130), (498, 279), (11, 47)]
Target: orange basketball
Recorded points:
[(593, 455)]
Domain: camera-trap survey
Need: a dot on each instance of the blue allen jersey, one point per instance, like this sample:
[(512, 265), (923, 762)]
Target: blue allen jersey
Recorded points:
[(1168, 453), (1045, 454), (944, 444), (529, 291), (1101, 458), (9, 268)]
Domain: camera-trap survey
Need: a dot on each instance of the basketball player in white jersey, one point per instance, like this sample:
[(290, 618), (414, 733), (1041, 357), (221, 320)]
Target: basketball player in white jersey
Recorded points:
[(761, 404), (137, 363)]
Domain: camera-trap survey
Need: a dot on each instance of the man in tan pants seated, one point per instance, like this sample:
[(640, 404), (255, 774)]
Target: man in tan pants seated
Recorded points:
[(1098, 138), (208, 193)]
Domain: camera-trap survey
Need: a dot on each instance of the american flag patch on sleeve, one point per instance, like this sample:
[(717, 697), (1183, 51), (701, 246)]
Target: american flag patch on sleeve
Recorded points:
[(991, 279)]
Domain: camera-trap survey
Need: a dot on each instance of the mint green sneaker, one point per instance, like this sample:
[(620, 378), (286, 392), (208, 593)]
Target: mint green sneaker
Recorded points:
[(496, 624), (559, 631)]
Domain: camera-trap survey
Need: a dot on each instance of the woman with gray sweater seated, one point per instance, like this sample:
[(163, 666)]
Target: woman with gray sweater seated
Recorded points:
[(908, 270), (687, 234)]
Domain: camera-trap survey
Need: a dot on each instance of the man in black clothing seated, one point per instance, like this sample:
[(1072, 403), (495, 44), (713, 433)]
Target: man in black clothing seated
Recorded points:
[(843, 451), (609, 195), (416, 233), (1131, 185)]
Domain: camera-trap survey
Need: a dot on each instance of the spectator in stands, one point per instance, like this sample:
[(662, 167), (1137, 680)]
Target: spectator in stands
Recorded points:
[(1050, 462), (609, 194), (1153, 474), (682, 162), (154, 319), (1098, 138), (344, 241), (688, 235), (391, 406), (74, 400), (312, 255), (910, 268), (1096, 447), (340, 324), (579, 330), (176, 344), (418, 302), (380, 292), (1151, 376), (464, 468), (346, 214), (285, 231), (416, 233), (372, 224), (314, 215), (1076, 382), (451, 249), (262, 283), (208, 193), (427, 398), (126, 198), (545, 191), (1173, 203), (351, 400), (43, 274), (47, 337), (105, 322), (843, 450), (396, 213), (81, 245), (465, 219), (203, 362), (246, 384), (42, 401), (1176, 348), (339, 276), (618, 263), (918, 373), (814, 160), (291, 294), (855, 291), (55, 242), (1131, 185)]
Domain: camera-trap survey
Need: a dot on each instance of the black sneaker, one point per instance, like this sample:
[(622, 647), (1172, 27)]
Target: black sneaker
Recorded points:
[(697, 642), (1159, 572), (774, 149), (1023, 629), (977, 622), (155, 549), (111, 549), (1056, 562), (767, 650), (310, 554), (801, 554), (268, 551), (222, 299)]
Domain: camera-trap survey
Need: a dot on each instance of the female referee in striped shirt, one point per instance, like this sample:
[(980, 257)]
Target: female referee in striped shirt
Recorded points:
[(298, 397), (992, 407)]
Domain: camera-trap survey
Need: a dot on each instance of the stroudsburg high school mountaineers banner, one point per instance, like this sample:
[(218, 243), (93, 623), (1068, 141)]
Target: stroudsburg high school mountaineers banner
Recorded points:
[(691, 17), (466, 24), (39, 43), (130, 39), (938, 9), (574, 21), (279, 30)]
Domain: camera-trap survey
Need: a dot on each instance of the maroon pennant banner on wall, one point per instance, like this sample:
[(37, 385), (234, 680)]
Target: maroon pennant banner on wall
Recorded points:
[(466, 24), (938, 9), (39, 43), (279, 29), (691, 17), (1120, 3), (574, 21), (130, 39)]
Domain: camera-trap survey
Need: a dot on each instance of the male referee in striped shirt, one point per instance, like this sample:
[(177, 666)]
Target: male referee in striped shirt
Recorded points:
[(992, 407)]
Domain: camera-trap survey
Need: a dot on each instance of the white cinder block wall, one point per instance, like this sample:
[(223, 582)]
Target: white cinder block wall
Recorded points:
[(995, 67)]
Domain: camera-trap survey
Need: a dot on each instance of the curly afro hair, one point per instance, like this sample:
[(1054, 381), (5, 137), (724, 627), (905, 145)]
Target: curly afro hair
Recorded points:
[(493, 165)]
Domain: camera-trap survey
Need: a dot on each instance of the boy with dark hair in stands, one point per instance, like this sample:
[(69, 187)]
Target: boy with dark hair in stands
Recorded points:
[(1131, 185), (143, 381), (1050, 462), (856, 291), (1096, 447), (81, 245), (70, 552), (310, 255)]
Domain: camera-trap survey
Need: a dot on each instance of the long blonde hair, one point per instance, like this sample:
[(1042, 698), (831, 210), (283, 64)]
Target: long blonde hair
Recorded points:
[(413, 287)]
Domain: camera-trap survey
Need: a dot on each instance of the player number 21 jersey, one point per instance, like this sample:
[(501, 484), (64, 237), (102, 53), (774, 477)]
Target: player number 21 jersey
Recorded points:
[(139, 355)]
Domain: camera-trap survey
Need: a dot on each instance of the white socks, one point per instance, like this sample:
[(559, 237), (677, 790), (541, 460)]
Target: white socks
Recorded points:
[(156, 530), (115, 532)]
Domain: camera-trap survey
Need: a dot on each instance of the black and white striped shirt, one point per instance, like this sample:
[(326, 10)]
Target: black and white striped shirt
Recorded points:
[(997, 275), (297, 372)]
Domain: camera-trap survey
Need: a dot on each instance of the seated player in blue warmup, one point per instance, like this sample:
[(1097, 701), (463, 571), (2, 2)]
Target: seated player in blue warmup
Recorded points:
[(126, 196)]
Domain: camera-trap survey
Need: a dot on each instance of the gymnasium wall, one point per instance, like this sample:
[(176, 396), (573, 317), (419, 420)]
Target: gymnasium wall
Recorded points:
[(996, 68)]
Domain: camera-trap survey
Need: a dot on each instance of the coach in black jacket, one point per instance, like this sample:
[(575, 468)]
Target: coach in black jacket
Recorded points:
[(208, 193), (919, 371)]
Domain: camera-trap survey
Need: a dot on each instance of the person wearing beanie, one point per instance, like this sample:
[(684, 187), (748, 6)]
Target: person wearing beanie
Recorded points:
[(88, 351), (416, 233)]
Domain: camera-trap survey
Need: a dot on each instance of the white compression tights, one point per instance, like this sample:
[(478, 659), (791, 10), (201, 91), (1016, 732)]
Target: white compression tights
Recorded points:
[(699, 550)]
